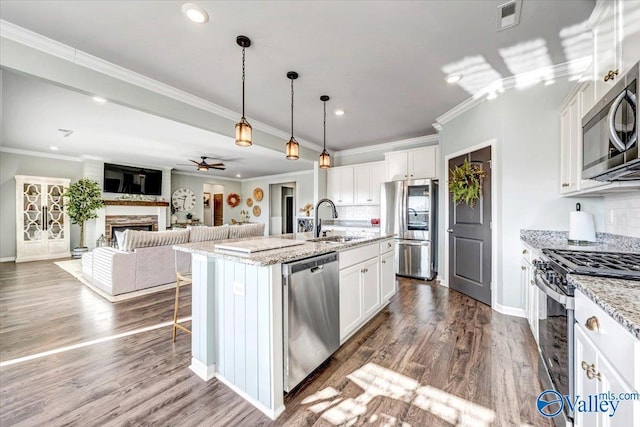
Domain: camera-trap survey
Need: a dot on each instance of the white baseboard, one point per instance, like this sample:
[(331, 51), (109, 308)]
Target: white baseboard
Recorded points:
[(203, 371), (441, 281), (8, 259), (509, 311), (271, 413)]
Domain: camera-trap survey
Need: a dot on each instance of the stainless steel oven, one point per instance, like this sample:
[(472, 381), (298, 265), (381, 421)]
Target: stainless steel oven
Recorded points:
[(610, 133), (555, 332)]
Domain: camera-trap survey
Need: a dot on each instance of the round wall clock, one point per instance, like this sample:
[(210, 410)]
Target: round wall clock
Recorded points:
[(183, 199)]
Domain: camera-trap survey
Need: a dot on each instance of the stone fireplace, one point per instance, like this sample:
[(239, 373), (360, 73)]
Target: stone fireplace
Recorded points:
[(123, 222), (127, 214)]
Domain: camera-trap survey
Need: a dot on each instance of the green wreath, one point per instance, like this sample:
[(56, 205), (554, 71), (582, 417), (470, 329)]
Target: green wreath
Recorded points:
[(465, 183)]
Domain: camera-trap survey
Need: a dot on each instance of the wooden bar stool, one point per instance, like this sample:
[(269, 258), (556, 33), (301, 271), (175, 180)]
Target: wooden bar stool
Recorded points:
[(182, 279)]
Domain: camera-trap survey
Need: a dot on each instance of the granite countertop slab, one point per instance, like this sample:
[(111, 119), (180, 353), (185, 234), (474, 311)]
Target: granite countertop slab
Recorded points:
[(548, 239), (275, 256), (619, 298)]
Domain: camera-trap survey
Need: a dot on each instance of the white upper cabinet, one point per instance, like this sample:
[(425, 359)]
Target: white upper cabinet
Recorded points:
[(340, 185), (616, 41), (570, 140), (419, 163), (366, 183)]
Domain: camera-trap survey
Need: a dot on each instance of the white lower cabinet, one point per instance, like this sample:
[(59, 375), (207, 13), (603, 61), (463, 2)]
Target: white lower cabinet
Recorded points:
[(531, 294), (387, 276), (606, 365), (351, 313), (367, 282), (371, 286)]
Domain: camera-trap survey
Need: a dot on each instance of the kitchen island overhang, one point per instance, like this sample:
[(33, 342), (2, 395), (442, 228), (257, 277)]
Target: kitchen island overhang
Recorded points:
[(237, 315)]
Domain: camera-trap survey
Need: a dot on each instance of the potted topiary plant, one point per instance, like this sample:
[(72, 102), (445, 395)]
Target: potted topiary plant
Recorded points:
[(83, 199)]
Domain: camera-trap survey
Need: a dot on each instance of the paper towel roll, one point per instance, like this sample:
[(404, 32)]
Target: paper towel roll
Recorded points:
[(581, 228)]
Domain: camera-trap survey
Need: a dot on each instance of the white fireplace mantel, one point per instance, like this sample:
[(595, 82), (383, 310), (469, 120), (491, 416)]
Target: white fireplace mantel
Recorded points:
[(95, 228)]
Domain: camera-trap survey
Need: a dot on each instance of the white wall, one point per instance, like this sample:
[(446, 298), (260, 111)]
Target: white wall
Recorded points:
[(196, 184), (622, 214), (526, 126), (17, 164), (305, 190)]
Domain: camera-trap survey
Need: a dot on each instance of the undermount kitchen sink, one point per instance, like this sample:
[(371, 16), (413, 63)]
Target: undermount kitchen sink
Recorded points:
[(336, 239)]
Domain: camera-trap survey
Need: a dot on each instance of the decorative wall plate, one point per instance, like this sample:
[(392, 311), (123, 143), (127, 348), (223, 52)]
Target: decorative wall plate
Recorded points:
[(233, 200), (249, 201), (257, 211), (257, 194)]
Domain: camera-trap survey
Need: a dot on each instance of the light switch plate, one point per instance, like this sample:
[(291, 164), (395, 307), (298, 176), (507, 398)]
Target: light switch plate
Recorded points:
[(238, 289)]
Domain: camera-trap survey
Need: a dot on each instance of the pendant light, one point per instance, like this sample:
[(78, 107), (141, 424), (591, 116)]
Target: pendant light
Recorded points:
[(292, 145), (325, 158), (243, 128)]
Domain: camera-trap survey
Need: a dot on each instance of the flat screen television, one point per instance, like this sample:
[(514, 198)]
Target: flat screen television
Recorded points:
[(132, 180)]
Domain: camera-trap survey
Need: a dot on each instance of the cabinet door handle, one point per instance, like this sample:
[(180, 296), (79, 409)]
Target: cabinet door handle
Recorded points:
[(384, 262), (533, 283), (524, 251), (592, 324), (522, 267), (565, 184), (611, 75), (590, 370)]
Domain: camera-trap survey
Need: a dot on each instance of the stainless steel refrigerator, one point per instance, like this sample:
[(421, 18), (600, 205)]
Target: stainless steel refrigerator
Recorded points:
[(409, 211)]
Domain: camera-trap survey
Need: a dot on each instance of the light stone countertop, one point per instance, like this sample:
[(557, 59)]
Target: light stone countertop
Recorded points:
[(619, 298), (548, 239), (275, 256)]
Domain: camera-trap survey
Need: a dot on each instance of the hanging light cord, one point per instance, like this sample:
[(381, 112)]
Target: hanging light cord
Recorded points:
[(324, 123), (243, 82), (291, 108)]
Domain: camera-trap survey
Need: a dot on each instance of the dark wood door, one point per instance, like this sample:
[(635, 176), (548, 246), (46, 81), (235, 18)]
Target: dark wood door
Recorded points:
[(470, 235), (217, 209)]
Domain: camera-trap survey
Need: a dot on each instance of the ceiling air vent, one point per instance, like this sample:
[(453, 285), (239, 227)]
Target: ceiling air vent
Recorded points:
[(509, 14)]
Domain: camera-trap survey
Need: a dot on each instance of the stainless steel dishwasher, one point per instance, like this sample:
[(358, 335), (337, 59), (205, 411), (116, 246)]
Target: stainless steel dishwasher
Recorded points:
[(312, 319)]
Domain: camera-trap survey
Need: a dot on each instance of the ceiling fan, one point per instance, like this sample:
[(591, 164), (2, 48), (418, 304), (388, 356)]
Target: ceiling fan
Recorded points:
[(203, 166)]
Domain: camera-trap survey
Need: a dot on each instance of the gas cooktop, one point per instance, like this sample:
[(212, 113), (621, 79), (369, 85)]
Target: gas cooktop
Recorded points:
[(607, 264)]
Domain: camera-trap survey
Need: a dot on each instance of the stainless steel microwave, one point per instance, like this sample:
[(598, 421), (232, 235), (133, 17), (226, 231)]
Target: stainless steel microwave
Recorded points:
[(610, 133)]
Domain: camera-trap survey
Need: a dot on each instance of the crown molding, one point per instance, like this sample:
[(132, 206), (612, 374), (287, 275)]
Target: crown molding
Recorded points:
[(40, 154), (281, 175), (597, 13), (36, 41), (558, 70), (386, 146), (197, 175)]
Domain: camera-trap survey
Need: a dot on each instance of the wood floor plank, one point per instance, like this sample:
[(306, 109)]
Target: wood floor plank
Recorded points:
[(434, 357)]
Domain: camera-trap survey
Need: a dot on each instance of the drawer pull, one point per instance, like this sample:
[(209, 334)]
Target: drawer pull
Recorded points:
[(590, 370), (388, 244), (533, 283), (611, 75), (592, 324)]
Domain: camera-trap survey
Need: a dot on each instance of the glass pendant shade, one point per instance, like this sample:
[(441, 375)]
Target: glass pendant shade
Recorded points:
[(203, 168), (292, 149), (243, 133), (325, 160)]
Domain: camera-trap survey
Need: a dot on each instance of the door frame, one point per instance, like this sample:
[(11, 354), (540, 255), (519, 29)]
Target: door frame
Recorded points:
[(495, 224)]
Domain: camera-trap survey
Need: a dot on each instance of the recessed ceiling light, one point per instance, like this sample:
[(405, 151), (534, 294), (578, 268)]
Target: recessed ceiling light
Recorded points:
[(53, 148), (195, 13), (453, 78), (238, 175), (339, 112), (99, 99)]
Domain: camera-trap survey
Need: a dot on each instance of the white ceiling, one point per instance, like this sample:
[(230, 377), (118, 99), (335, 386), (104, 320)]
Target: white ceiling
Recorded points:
[(383, 62), (119, 134)]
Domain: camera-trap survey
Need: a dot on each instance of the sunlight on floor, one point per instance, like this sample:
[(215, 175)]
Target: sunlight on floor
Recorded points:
[(377, 381)]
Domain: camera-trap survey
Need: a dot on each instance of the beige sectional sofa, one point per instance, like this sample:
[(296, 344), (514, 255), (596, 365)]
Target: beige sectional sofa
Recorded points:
[(146, 259)]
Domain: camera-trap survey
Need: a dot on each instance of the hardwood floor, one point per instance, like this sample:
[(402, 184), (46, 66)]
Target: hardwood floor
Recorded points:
[(433, 358), (42, 307)]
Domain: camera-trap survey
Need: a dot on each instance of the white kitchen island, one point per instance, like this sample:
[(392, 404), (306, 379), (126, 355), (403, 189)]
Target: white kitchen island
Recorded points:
[(237, 308)]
